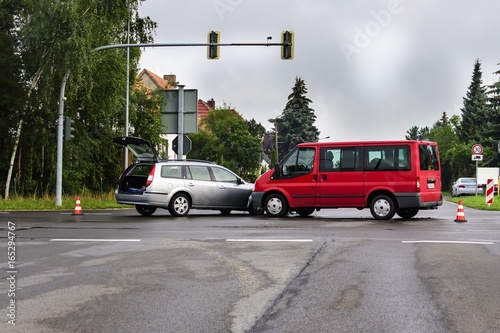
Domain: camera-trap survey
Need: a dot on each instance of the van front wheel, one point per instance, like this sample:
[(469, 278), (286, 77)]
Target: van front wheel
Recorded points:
[(382, 207), (276, 205)]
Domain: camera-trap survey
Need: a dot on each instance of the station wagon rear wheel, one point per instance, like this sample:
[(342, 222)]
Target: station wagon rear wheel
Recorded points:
[(276, 205), (382, 207), (145, 210), (179, 205)]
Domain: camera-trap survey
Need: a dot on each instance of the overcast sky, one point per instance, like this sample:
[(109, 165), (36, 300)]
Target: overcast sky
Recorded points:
[(373, 68)]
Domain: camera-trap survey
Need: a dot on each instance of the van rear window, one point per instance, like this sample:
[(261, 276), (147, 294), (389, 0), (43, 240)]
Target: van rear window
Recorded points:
[(429, 158)]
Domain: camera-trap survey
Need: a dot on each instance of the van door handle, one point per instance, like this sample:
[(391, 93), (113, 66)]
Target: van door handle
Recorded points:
[(323, 177)]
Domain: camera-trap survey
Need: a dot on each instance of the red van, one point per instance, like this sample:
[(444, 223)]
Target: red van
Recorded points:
[(389, 177)]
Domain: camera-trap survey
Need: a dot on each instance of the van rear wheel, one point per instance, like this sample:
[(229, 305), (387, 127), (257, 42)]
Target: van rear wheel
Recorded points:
[(407, 213), (276, 205), (382, 207), (304, 212)]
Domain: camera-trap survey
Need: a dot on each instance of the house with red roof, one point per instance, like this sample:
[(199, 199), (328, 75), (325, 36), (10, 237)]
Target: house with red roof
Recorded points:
[(153, 82)]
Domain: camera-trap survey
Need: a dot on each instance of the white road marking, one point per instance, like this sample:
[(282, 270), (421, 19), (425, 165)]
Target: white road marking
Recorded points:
[(268, 240), (92, 240), (449, 242)]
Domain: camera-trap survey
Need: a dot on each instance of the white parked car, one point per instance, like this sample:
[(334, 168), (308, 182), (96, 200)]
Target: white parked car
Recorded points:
[(465, 186)]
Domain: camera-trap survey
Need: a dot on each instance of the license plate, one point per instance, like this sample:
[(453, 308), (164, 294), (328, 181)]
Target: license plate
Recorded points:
[(430, 185)]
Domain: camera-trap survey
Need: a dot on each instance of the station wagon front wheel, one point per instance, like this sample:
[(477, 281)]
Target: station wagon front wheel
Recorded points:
[(276, 205), (179, 205), (382, 207)]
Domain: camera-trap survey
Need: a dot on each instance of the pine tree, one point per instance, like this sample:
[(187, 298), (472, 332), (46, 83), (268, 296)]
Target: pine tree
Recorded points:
[(475, 107), (491, 128), (296, 124)]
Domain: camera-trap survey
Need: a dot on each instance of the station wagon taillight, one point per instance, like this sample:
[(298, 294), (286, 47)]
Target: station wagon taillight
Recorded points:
[(150, 176)]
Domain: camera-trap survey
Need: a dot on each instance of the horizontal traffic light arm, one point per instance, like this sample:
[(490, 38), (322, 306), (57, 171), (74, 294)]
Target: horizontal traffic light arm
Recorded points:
[(116, 46)]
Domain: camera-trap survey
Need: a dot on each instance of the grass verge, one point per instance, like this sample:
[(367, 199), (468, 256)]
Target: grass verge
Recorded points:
[(477, 202), (105, 201)]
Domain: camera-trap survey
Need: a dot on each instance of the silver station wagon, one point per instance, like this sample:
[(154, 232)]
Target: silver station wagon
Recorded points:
[(178, 185)]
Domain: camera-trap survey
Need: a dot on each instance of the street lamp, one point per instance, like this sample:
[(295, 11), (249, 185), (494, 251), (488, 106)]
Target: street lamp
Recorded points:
[(125, 159), (276, 136), (326, 137)]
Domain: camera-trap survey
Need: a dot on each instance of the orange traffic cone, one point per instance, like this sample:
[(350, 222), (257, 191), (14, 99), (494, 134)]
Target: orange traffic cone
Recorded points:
[(460, 213), (78, 208)]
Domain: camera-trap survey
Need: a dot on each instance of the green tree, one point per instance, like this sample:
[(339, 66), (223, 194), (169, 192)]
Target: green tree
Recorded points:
[(56, 36), (475, 108), (416, 133), (444, 132), (491, 127), (296, 124), (226, 138), (13, 94)]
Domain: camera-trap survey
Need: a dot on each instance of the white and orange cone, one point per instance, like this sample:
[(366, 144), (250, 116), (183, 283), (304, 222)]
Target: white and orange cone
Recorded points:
[(460, 213), (78, 207)]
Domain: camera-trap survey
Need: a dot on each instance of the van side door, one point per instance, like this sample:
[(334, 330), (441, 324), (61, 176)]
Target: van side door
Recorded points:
[(341, 177)]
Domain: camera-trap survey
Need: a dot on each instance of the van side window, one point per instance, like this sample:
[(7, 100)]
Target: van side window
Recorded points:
[(387, 158), (339, 159), (300, 161)]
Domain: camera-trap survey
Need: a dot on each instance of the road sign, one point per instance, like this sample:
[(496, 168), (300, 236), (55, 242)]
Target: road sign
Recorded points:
[(477, 149), (170, 112), (187, 144), (477, 157)]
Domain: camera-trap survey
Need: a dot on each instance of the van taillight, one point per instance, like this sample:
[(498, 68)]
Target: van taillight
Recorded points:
[(151, 176), (418, 184)]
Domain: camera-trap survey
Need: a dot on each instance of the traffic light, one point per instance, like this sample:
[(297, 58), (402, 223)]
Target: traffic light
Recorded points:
[(68, 128), (287, 47), (213, 50)]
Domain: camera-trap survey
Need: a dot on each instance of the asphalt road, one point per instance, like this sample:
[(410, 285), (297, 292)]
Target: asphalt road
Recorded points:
[(337, 271)]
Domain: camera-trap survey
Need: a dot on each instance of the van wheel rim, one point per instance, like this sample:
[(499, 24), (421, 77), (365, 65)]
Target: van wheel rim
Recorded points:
[(274, 206), (382, 207)]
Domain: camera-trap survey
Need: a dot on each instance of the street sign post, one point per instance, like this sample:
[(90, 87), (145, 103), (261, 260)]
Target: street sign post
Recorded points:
[(477, 150)]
